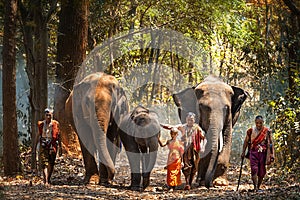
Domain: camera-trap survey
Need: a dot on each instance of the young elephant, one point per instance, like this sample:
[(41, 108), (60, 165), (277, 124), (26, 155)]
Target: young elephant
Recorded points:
[(139, 134)]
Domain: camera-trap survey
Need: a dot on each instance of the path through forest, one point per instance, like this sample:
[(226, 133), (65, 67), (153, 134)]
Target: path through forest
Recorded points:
[(69, 173)]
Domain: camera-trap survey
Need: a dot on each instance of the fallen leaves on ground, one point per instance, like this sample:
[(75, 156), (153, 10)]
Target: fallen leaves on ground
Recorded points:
[(69, 173)]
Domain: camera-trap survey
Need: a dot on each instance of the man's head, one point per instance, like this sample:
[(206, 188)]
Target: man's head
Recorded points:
[(174, 132), (190, 118), (48, 114), (259, 122)]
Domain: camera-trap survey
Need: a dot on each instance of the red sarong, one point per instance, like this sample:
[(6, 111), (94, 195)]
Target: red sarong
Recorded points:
[(258, 157), (174, 163), (258, 163)]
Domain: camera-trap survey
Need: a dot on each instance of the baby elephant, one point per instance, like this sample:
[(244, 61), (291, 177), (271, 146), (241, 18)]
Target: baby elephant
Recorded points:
[(139, 134)]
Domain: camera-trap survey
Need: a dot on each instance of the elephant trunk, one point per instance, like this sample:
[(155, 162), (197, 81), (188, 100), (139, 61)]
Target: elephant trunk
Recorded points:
[(106, 157), (216, 147), (103, 145)]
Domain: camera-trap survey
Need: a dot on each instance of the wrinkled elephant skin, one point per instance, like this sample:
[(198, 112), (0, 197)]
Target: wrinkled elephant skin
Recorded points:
[(95, 108), (217, 107), (139, 134)]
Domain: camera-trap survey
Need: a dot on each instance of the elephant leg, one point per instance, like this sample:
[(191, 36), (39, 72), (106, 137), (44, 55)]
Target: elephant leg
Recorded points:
[(145, 163), (135, 181), (148, 161), (103, 175), (89, 164), (91, 168), (134, 162), (149, 156), (202, 168), (113, 142), (221, 175), (146, 180)]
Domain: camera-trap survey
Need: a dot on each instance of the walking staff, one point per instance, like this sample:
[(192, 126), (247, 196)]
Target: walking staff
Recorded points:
[(240, 174)]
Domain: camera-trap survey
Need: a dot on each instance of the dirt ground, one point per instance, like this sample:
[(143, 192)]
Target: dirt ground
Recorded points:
[(69, 173)]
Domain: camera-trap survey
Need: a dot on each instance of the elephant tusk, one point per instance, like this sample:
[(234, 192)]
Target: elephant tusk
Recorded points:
[(97, 158), (221, 142)]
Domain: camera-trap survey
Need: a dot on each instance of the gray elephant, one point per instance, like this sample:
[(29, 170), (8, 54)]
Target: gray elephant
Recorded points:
[(139, 132), (95, 108), (217, 107)]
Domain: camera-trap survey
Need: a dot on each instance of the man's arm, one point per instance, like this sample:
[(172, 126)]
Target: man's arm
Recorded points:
[(36, 139), (271, 146), (201, 133), (160, 143), (59, 143), (245, 145)]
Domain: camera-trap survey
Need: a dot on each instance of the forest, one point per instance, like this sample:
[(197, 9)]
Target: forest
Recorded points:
[(154, 49)]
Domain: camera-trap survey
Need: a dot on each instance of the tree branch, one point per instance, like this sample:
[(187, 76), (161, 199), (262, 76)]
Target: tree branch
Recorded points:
[(293, 8), (53, 8)]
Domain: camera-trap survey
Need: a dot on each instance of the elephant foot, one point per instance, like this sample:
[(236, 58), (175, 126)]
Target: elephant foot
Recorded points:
[(146, 183), (91, 179), (221, 181), (135, 182), (136, 188), (105, 182), (201, 182)]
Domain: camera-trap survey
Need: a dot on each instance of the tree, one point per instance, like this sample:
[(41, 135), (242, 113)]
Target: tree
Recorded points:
[(35, 16), (71, 51), (10, 130), (287, 105), (293, 46)]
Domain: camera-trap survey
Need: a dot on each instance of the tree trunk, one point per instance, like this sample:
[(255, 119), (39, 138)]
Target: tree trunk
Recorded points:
[(293, 49), (11, 159), (71, 48), (36, 46)]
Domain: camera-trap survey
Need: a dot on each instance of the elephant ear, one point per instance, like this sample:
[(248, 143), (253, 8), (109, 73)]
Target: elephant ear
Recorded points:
[(186, 101), (119, 105), (237, 100)]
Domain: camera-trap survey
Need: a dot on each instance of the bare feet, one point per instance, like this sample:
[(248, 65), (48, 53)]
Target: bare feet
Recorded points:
[(187, 187)]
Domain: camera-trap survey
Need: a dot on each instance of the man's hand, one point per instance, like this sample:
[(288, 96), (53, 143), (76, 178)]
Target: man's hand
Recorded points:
[(272, 158)]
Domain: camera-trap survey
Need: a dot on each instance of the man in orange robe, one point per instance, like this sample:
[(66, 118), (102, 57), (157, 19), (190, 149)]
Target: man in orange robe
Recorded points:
[(191, 137), (49, 141)]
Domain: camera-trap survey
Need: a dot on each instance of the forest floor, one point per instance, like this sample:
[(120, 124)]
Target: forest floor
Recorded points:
[(69, 173)]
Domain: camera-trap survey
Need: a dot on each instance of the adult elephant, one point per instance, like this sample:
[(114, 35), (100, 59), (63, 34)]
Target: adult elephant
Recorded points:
[(139, 134), (95, 108), (217, 107)]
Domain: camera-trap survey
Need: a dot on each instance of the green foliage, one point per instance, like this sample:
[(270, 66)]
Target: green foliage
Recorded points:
[(246, 45), (286, 127)]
